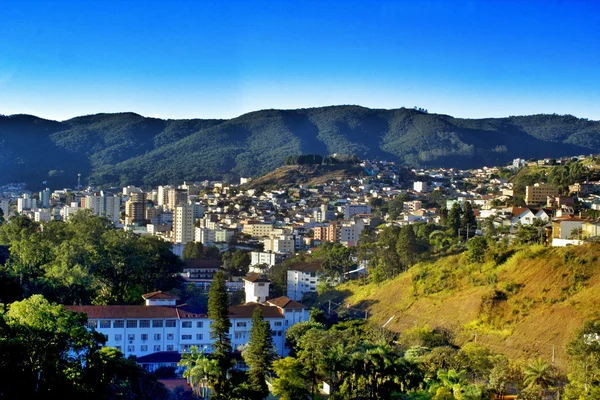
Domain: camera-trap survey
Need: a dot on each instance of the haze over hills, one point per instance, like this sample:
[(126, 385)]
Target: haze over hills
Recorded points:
[(128, 149)]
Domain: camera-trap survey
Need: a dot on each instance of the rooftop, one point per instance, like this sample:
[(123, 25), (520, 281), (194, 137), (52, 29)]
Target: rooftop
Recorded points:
[(159, 296)]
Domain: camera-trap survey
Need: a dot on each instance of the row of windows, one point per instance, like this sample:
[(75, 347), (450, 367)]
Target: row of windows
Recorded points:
[(144, 347), (157, 337), (142, 323)]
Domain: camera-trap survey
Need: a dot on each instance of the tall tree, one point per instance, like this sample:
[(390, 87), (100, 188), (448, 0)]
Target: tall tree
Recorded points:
[(219, 331), (192, 251), (453, 220), (260, 353), (408, 246), (468, 223)]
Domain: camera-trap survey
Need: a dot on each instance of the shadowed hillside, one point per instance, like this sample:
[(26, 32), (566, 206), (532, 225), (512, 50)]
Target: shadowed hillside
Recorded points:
[(126, 148)]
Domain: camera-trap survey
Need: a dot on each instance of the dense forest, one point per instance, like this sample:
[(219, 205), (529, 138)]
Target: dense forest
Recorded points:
[(126, 148)]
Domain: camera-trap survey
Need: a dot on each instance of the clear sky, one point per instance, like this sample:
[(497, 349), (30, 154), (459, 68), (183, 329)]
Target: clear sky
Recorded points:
[(220, 59)]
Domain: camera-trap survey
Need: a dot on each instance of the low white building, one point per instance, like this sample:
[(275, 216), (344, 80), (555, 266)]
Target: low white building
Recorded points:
[(160, 325)]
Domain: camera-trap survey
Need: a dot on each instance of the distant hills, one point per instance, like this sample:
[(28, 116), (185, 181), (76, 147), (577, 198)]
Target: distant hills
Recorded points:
[(128, 149)]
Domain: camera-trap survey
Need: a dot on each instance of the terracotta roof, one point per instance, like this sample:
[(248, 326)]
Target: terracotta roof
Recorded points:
[(285, 302), (256, 278), (159, 296), (246, 310), (312, 266), (136, 312)]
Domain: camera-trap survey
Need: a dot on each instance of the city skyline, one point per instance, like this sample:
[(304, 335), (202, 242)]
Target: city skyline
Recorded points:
[(210, 60)]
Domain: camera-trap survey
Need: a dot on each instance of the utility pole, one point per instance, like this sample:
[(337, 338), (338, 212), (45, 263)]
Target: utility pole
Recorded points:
[(552, 354)]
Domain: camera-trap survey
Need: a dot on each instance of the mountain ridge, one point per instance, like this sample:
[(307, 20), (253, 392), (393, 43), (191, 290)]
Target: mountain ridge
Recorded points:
[(127, 148)]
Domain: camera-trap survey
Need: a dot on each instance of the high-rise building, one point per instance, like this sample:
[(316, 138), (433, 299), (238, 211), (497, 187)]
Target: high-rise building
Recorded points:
[(135, 209), (26, 203), (177, 197), (183, 223), (105, 206), (45, 198), (163, 196), (5, 207)]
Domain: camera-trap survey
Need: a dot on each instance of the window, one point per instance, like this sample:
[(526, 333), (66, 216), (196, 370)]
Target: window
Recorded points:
[(157, 347), (279, 333), (186, 324), (144, 337), (132, 323), (92, 324), (198, 336), (130, 349), (118, 337), (157, 336), (186, 337), (199, 324), (261, 284), (277, 323), (104, 324), (144, 348), (131, 336), (239, 335), (171, 323), (118, 323), (241, 324), (169, 347), (170, 336), (157, 323), (144, 323)]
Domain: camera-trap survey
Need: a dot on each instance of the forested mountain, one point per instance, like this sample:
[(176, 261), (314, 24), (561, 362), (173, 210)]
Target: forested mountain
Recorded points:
[(126, 148)]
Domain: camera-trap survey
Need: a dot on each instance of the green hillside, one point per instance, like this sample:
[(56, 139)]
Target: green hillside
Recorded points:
[(126, 148), (527, 305)]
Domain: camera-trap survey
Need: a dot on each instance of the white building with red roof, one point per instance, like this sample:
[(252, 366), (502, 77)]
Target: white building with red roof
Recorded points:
[(161, 325)]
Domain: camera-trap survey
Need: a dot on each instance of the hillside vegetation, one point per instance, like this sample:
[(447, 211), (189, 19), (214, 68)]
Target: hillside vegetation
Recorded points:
[(126, 148), (292, 175), (535, 300)]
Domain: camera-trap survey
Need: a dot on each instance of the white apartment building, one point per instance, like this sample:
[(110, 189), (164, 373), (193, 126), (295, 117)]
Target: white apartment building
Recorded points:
[(349, 231), (26, 203), (266, 257), (45, 198), (420, 187), (183, 223), (67, 211), (160, 325), (303, 278), (351, 210), (41, 215), (105, 206), (208, 236)]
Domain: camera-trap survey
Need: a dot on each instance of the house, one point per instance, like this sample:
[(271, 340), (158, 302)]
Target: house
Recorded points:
[(303, 278), (563, 227)]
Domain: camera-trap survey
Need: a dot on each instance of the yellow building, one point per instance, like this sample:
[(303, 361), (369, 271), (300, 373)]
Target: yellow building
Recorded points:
[(538, 193)]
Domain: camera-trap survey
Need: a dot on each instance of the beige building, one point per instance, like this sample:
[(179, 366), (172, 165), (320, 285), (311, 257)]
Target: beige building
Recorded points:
[(183, 224), (538, 193), (177, 197), (281, 244), (258, 229)]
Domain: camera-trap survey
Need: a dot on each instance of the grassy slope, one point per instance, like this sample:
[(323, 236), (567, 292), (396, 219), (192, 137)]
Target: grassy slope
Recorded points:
[(292, 175), (550, 292)]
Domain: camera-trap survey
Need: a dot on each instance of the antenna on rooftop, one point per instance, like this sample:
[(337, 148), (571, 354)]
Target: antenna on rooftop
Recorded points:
[(78, 182)]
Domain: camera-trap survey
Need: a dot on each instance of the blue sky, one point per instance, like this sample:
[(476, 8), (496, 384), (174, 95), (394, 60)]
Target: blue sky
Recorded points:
[(220, 59)]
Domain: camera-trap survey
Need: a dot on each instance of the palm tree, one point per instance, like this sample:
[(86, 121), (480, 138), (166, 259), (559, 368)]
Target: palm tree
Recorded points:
[(199, 370), (538, 374)]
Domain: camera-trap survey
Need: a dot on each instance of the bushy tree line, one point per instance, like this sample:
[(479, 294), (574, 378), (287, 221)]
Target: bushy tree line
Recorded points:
[(47, 352), (83, 261)]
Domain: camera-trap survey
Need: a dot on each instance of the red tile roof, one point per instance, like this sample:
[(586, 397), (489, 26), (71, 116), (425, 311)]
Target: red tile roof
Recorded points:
[(285, 302), (159, 296), (312, 266), (256, 278), (246, 310), (136, 312)]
